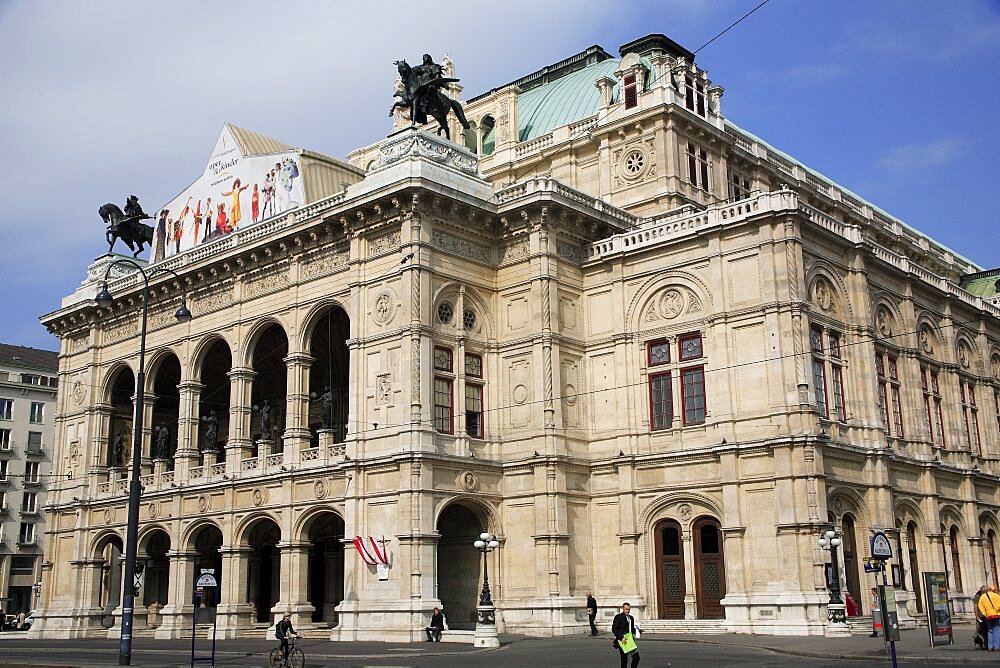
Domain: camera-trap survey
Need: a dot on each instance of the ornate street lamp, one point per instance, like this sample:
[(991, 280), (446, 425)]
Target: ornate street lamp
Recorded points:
[(830, 540), (486, 624), (104, 300)]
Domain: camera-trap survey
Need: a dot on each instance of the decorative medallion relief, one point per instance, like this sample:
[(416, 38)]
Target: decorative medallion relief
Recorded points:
[(671, 303), (925, 338), (469, 481), (153, 509), (964, 354), (883, 321), (79, 391), (319, 489), (519, 394), (259, 496), (823, 294), (634, 162), (685, 511), (204, 504), (109, 516), (384, 309)]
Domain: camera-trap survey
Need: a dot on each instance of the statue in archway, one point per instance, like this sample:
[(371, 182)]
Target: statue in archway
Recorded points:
[(211, 443), (422, 94), (162, 442)]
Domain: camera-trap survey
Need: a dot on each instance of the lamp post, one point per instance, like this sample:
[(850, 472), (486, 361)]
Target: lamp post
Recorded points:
[(830, 540), (104, 300), (486, 625)]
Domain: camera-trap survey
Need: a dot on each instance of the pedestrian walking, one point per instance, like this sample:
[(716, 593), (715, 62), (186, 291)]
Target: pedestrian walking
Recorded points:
[(626, 631), (989, 606), (592, 612)]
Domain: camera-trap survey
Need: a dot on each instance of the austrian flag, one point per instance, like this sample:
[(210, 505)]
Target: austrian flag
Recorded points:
[(371, 552)]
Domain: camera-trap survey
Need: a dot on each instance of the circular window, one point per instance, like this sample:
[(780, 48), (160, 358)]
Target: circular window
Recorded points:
[(445, 312), (469, 320), (633, 164)]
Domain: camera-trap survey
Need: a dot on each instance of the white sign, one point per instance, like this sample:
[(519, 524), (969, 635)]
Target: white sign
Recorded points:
[(206, 580), (881, 548)]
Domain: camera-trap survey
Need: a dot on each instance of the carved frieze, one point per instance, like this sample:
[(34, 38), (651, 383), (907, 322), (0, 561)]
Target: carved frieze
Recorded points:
[(378, 245), (120, 331), (430, 147), (515, 251), (265, 284), (459, 246), (568, 250), (323, 263), (79, 343), (212, 301)]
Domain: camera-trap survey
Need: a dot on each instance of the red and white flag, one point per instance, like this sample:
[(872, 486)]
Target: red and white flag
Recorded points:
[(371, 552)]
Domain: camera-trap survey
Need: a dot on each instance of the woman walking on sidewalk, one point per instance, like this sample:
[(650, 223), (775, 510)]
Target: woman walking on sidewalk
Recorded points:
[(989, 606)]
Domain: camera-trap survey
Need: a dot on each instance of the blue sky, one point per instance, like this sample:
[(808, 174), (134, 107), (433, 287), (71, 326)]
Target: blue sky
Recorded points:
[(894, 100)]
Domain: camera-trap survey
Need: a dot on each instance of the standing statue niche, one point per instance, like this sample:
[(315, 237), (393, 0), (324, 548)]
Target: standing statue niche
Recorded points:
[(265, 421), (126, 226), (162, 442), (421, 94), (211, 443)]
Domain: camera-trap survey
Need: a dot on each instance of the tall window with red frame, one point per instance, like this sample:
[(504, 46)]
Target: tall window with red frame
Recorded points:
[(970, 414), (887, 372), (689, 347), (819, 371), (474, 395), (631, 91), (938, 416), (828, 372), (444, 411), (661, 400)]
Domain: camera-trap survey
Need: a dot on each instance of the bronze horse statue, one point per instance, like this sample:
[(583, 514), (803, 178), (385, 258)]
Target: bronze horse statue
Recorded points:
[(126, 226), (421, 94)]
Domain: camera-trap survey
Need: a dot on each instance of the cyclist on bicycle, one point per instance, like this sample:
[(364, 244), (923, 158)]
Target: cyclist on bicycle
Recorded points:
[(282, 630)]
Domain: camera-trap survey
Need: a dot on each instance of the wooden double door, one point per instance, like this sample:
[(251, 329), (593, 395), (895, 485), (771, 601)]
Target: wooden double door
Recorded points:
[(672, 577)]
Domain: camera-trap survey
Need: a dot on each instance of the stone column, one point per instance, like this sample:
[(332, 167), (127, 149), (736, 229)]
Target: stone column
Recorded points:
[(148, 401), (176, 615), (238, 443), (99, 438), (187, 453), (294, 582), (296, 436), (234, 612)]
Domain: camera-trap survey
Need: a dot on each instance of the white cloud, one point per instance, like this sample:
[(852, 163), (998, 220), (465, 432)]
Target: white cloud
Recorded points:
[(923, 155)]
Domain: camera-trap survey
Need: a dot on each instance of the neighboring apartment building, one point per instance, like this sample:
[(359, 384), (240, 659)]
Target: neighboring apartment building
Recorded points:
[(654, 354), (28, 382)]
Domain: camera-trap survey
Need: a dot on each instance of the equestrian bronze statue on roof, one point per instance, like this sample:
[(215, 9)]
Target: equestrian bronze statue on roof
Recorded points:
[(422, 94)]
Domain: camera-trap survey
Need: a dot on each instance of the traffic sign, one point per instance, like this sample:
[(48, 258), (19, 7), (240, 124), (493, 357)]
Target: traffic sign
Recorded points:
[(881, 548)]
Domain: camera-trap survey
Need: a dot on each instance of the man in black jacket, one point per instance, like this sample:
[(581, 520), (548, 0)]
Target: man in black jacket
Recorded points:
[(436, 626), (624, 623), (282, 630), (592, 612)]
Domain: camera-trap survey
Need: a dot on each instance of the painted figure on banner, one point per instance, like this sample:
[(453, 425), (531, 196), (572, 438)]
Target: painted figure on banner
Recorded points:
[(255, 204), (197, 223), (161, 235), (234, 208)]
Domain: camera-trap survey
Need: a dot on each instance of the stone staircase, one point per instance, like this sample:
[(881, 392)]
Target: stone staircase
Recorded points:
[(685, 626)]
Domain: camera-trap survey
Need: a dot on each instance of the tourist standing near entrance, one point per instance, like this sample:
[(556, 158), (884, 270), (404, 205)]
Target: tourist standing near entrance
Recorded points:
[(592, 612), (625, 630), (989, 605)]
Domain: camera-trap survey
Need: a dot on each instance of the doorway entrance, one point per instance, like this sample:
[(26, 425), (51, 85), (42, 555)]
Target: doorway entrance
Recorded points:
[(710, 570), (669, 570)]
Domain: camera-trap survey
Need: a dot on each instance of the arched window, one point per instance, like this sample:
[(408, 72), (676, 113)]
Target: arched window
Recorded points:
[(487, 138), (911, 539), (956, 563)]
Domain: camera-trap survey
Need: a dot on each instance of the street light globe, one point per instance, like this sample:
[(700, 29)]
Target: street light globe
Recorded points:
[(484, 536), (183, 314), (104, 298), (480, 544), (830, 533), (835, 541), (822, 541), (494, 544)]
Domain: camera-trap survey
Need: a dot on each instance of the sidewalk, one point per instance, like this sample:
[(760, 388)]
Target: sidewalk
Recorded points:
[(913, 646)]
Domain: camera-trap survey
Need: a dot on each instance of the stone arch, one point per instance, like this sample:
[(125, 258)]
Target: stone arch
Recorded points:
[(950, 514), (856, 505), (458, 522), (994, 360), (111, 377), (907, 510), (156, 360), (323, 530), (254, 335), (201, 350), (485, 508), (301, 525), (988, 520), (148, 530), (101, 540), (697, 299), (242, 530), (840, 305), (187, 539), (311, 319), (470, 295), (701, 504)]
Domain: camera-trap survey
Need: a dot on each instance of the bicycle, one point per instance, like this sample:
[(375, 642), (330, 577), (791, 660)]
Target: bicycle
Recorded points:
[(296, 657)]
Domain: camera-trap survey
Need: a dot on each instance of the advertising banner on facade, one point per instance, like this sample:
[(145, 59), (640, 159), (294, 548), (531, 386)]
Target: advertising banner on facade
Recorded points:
[(235, 191), (938, 609)]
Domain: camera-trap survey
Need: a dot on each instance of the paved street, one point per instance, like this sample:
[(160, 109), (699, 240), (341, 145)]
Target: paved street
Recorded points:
[(579, 652)]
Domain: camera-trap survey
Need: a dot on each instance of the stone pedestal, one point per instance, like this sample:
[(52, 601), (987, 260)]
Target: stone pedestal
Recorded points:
[(837, 625), (486, 627)]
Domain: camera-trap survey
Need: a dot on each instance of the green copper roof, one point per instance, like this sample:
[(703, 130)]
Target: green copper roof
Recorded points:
[(983, 284), (567, 99)]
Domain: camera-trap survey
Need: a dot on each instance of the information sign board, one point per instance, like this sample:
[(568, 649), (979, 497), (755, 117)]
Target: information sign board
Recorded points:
[(938, 609)]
